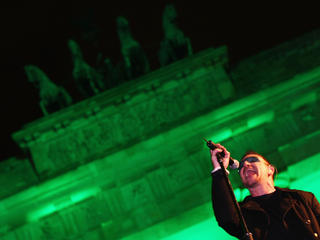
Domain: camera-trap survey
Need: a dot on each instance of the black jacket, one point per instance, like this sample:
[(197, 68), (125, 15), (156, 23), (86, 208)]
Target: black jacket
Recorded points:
[(301, 205)]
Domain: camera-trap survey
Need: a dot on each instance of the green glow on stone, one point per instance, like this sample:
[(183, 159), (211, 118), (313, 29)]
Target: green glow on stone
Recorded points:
[(309, 183), (207, 229), (80, 196), (51, 208), (303, 100), (240, 130), (221, 135), (260, 119), (306, 175), (41, 212), (282, 180), (237, 193), (244, 192), (241, 193)]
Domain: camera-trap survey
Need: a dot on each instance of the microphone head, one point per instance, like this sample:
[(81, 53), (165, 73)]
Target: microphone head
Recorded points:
[(235, 164)]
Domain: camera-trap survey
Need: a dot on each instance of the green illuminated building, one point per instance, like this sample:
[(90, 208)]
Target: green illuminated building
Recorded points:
[(130, 163)]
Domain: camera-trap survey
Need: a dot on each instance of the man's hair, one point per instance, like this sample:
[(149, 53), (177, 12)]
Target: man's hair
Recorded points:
[(258, 154)]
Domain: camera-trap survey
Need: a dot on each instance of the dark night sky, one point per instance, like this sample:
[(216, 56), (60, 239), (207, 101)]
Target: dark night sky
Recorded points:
[(37, 33)]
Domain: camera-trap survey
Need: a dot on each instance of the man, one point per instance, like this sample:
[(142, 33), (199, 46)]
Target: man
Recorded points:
[(270, 212)]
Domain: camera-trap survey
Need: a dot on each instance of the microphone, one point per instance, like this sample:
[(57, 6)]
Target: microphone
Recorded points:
[(233, 163)]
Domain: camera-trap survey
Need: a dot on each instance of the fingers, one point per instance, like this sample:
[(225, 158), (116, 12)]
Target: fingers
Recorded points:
[(215, 151), (214, 159), (221, 148)]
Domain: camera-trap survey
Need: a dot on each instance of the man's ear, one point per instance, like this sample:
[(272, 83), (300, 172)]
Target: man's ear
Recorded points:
[(271, 170)]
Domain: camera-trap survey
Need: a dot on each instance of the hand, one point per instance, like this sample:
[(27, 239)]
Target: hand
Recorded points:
[(214, 159)]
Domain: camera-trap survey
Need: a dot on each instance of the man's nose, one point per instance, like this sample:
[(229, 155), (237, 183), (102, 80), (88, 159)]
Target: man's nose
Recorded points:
[(246, 163)]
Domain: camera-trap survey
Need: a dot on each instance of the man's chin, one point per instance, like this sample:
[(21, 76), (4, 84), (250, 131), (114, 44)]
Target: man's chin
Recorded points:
[(250, 183)]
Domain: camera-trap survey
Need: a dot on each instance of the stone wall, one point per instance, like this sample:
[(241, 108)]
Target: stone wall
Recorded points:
[(168, 174)]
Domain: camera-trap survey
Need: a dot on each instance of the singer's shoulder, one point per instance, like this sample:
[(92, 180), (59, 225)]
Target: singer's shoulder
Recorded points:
[(287, 191), (291, 190), (297, 192)]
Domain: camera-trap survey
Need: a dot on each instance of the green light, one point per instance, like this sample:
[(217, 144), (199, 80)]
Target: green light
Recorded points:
[(237, 193), (303, 100), (59, 205), (80, 196), (208, 229), (241, 193), (306, 175), (282, 180), (240, 130), (309, 183), (41, 212), (221, 135), (260, 119)]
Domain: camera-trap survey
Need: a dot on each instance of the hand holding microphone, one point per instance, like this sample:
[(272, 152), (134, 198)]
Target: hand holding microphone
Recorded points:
[(218, 151)]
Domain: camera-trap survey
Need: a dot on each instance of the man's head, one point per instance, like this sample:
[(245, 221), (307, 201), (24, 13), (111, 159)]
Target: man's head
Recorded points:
[(255, 170)]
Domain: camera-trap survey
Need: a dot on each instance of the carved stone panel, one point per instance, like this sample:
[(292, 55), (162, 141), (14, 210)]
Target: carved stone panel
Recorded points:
[(91, 137)]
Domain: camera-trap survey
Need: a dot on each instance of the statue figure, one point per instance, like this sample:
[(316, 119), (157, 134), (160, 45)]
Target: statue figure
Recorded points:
[(111, 76), (175, 45), (88, 80), (135, 60), (52, 97)]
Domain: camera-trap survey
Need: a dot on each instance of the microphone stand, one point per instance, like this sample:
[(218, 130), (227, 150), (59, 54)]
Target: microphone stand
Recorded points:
[(244, 227)]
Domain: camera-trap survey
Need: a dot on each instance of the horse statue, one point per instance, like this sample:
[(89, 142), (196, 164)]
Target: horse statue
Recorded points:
[(175, 45), (52, 97), (135, 59), (88, 80), (112, 76)]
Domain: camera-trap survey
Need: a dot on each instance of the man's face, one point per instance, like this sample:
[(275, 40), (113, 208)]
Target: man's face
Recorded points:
[(255, 171)]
